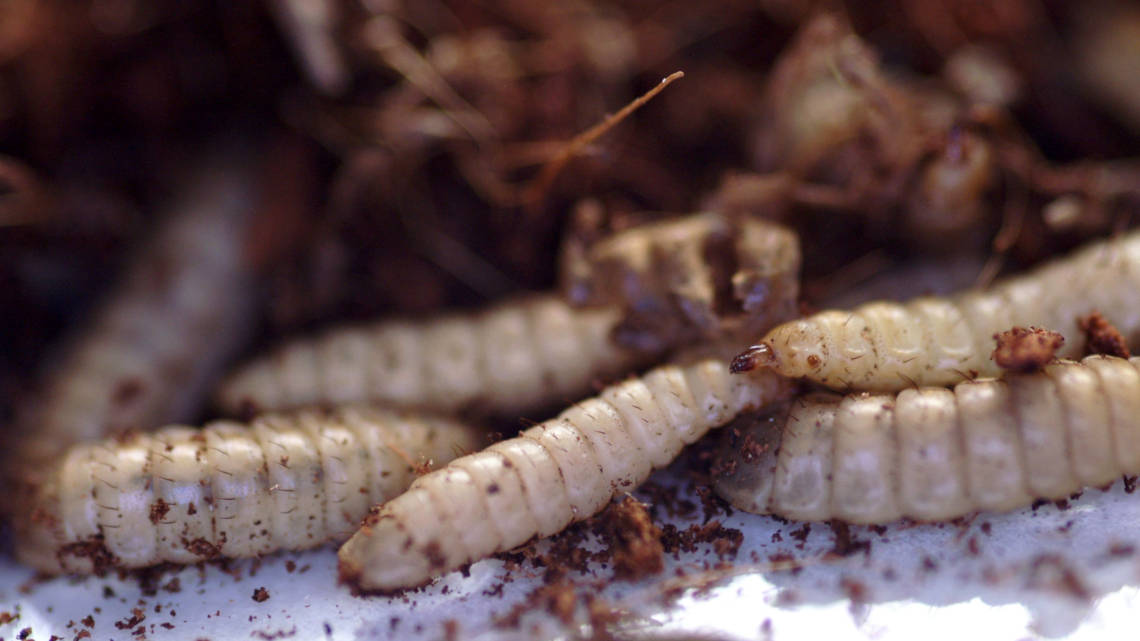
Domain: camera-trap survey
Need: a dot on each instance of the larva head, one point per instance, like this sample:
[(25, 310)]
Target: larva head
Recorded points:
[(794, 349)]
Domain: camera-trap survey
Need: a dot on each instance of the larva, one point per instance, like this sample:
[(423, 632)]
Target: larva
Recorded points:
[(887, 346), (934, 453), (181, 311), (513, 357), (181, 495), (559, 471)]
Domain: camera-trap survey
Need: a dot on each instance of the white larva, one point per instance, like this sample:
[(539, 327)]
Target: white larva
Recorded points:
[(182, 495), (145, 359), (883, 346), (932, 454), (562, 470), (514, 357)]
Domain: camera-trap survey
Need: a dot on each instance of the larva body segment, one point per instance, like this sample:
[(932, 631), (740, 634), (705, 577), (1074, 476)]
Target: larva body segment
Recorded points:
[(937, 480), (932, 453), (182, 309), (514, 357), (802, 482), (566, 469), (1122, 396), (184, 495), (886, 346), (863, 481)]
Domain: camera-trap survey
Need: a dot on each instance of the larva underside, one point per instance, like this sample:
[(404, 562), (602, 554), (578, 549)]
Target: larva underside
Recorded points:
[(181, 311), (559, 471), (884, 346), (183, 495), (513, 357), (935, 453)]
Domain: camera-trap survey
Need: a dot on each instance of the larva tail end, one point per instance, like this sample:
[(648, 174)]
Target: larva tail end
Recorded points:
[(352, 575), (348, 574), (756, 356)]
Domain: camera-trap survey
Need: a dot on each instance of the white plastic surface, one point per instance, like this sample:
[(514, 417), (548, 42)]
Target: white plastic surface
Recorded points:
[(1038, 573)]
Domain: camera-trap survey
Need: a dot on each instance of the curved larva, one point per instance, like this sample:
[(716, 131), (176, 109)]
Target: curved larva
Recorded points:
[(184, 495), (513, 357), (181, 310), (934, 453), (885, 346), (559, 471)]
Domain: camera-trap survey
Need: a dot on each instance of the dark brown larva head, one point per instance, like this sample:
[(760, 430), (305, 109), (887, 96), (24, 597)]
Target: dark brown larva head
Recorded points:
[(756, 356)]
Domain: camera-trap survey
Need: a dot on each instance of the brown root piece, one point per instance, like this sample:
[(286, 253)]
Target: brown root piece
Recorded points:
[(696, 277), (1026, 350), (537, 190), (635, 541), (1102, 337)]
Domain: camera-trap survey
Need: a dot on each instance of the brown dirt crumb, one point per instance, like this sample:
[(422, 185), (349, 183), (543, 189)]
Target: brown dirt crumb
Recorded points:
[(845, 543), (635, 541), (158, 511), (137, 617), (8, 617), (203, 548), (261, 595), (1102, 337), (1026, 350), (93, 549), (725, 541)]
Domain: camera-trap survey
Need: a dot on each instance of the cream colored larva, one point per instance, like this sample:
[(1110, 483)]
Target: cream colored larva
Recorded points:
[(560, 471), (182, 309), (934, 453), (182, 495), (882, 346), (514, 357)]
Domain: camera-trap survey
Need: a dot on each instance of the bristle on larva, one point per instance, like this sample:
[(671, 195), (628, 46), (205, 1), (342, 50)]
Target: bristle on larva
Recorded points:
[(182, 495), (563, 470), (884, 346), (511, 358), (932, 454)]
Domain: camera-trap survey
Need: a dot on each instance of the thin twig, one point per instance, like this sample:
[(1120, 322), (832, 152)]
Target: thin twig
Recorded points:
[(535, 194)]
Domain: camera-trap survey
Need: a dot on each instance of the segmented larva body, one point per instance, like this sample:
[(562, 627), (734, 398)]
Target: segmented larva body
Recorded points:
[(935, 453), (884, 346), (513, 357), (559, 471), (182, 495), (181, 311)]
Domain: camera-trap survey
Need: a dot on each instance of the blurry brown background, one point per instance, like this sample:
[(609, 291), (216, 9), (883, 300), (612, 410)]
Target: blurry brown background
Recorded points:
[(397, 145)]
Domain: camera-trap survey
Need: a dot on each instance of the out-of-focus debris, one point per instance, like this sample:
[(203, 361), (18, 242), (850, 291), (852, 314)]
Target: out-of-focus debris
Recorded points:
[(697, 277)]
